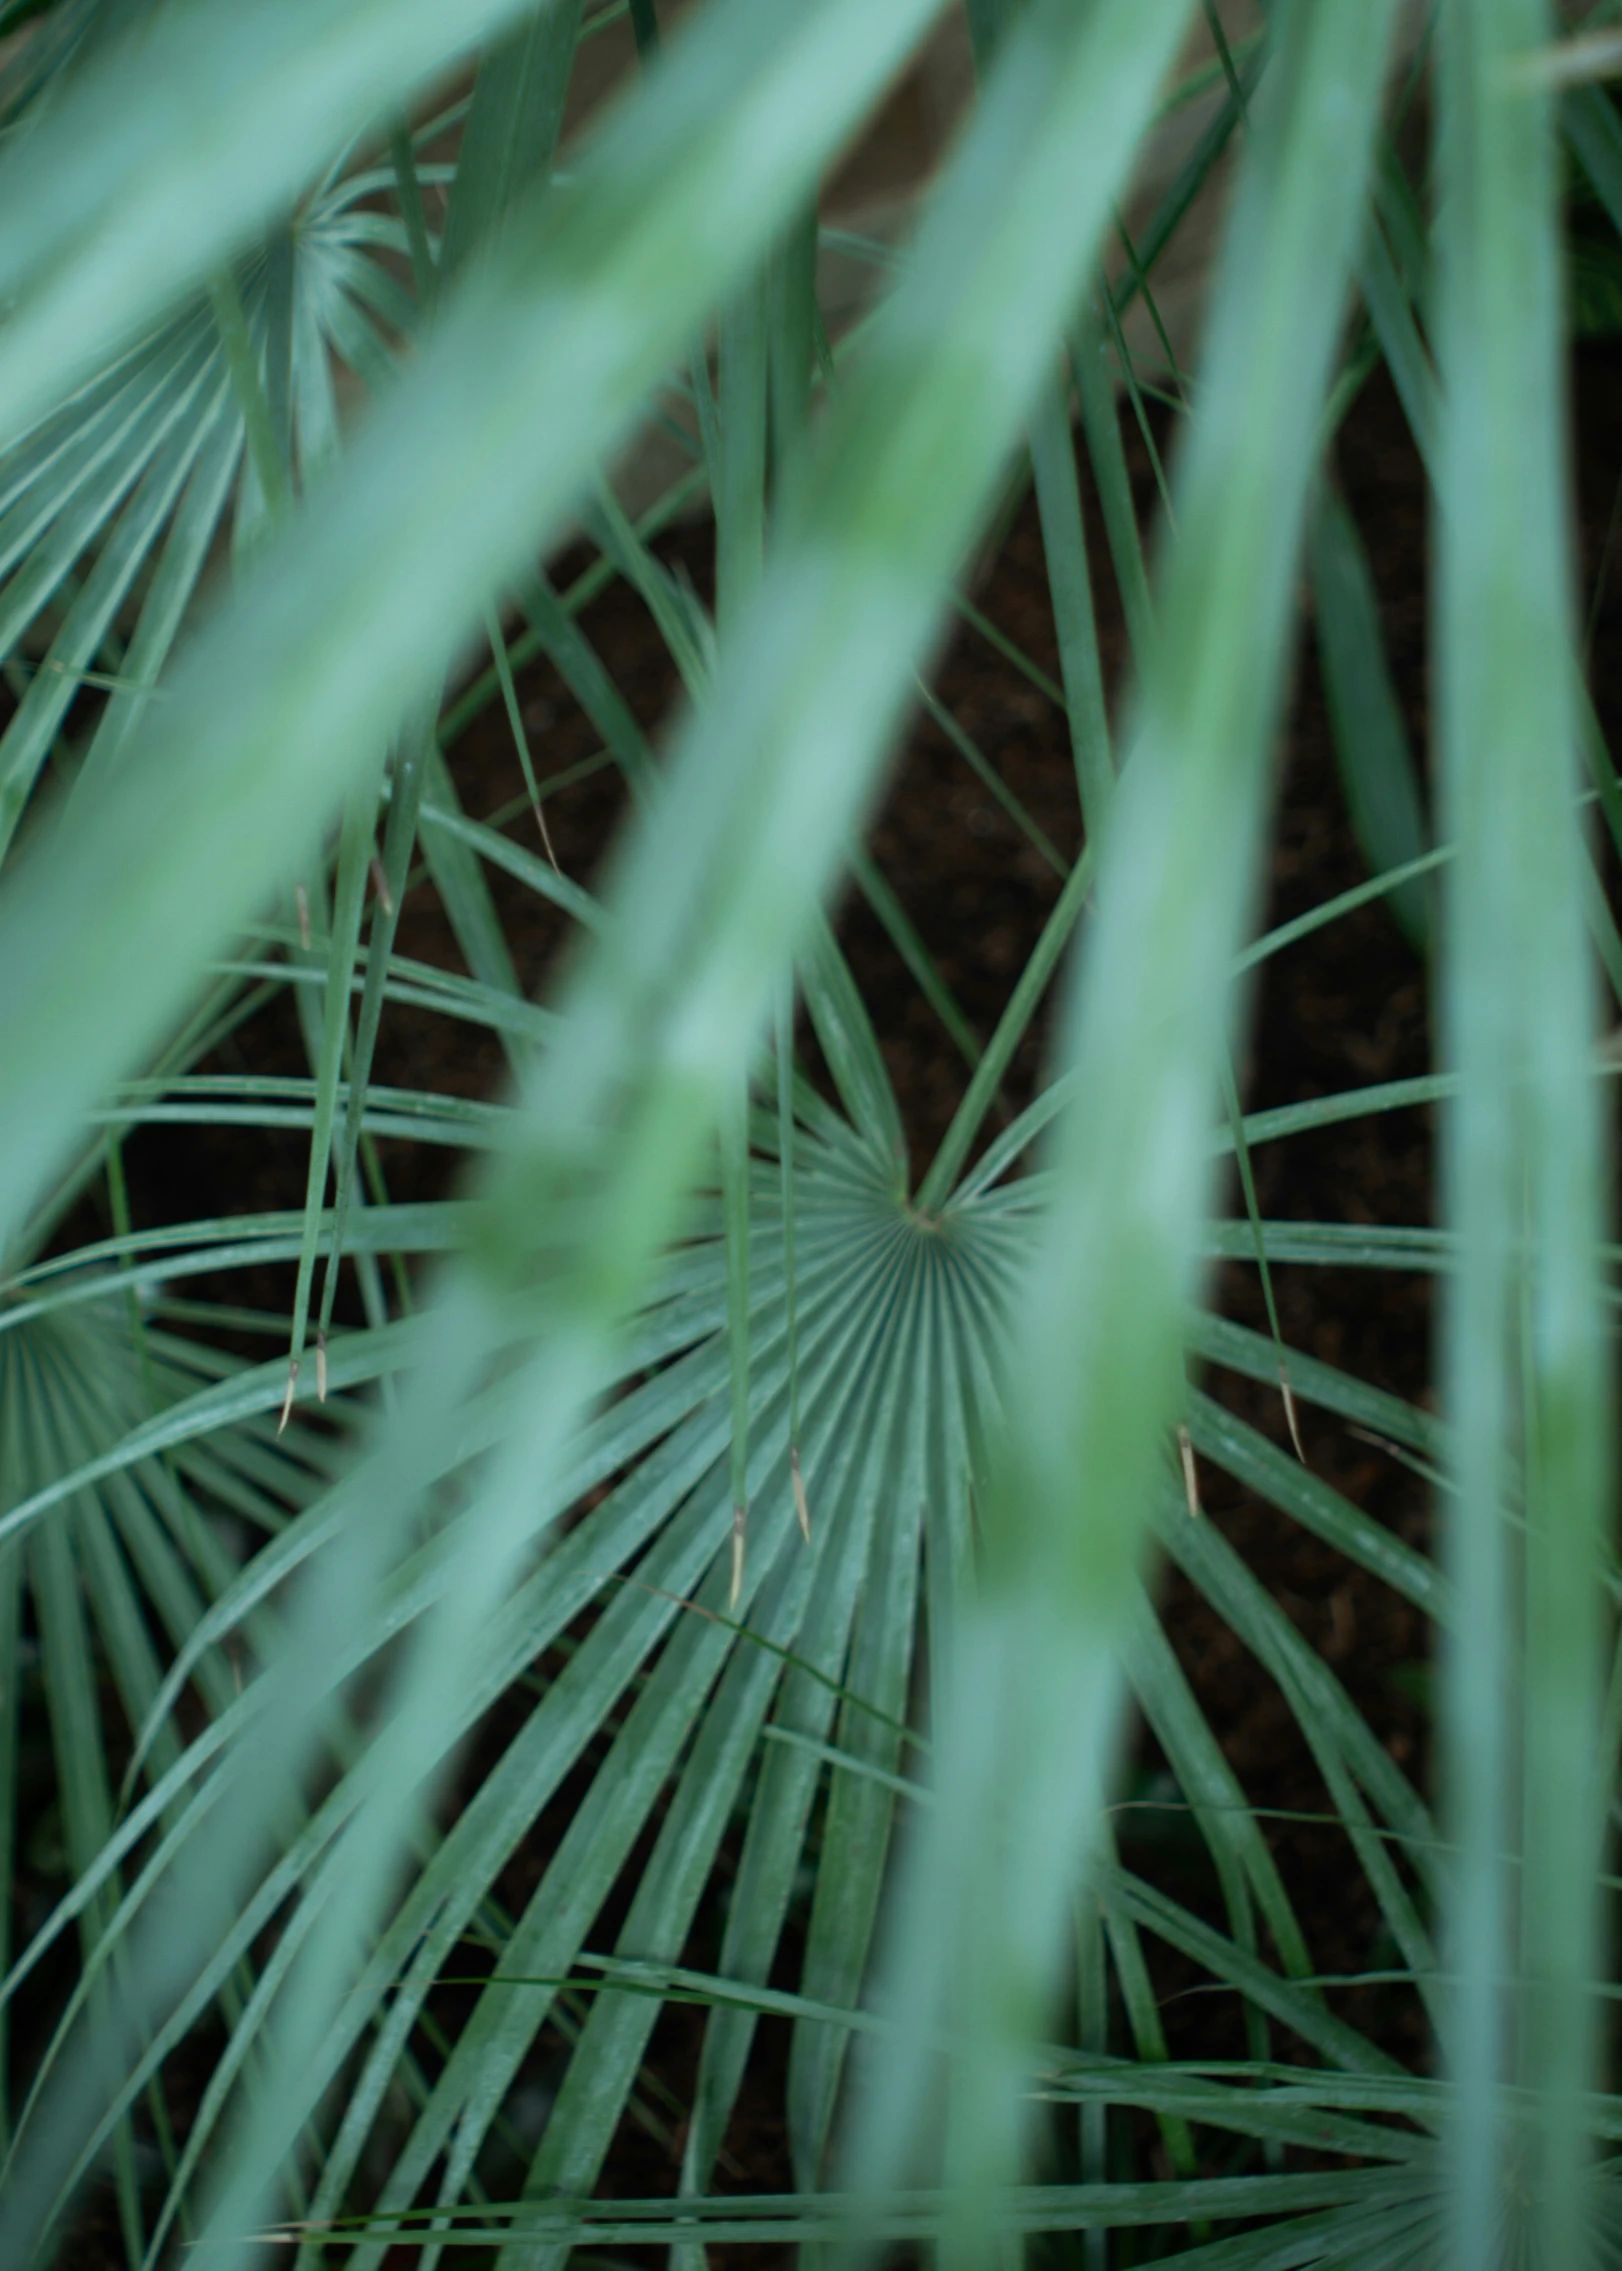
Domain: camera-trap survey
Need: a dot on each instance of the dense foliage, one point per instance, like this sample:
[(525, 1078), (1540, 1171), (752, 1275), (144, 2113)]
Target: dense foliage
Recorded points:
[(782, 1534)]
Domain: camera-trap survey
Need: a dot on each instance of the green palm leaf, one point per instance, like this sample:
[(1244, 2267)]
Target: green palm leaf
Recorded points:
[(779, 1531)]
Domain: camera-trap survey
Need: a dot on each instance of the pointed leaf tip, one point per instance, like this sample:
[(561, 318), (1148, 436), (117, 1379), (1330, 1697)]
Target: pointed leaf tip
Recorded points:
[(740, 1528), (1191, 1480), (546, 835), (801, 1504), (1290, 1412), (287, 1400)]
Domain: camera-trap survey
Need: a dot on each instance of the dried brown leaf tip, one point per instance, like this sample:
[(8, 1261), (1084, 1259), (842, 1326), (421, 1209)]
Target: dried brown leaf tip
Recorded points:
[(1290, 1412), (1569, 63), (380, 884), (1191, 1480), (546, 834), (740, 1532), (320, 1367), (801, 1503), (287, 1400)]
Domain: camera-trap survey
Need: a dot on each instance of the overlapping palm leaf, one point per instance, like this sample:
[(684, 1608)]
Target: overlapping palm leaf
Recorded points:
[(111, 509), (901, 1327), (694, 1491)]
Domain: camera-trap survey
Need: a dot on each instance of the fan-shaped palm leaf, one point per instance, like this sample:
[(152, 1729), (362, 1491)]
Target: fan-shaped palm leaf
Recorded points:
[(693, 1488)]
